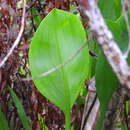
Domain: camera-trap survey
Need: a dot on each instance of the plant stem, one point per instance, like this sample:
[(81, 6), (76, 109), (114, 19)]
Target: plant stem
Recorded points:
[(67, 121)]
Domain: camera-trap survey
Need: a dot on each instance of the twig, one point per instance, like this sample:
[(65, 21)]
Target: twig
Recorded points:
[(91, 109), (58, 66), (128, 27), (105, 39), (16, 42), (92, 119)]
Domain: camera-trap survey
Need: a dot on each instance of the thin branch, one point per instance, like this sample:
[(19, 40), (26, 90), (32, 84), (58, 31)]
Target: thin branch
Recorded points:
[(91, 108), (16, 42), (112, 52), (58, 66), (128, 27), (92, 119)]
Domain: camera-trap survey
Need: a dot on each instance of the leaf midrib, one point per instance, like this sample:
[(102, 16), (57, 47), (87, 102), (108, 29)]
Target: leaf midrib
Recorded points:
[(62, 61)]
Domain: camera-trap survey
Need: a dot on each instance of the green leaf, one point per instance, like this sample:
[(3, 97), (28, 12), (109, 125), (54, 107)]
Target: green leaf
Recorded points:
[(20, 110), (106, 84), (3, 121), (121, 20), (111, 9), (58, 37), (122, 23), (36, 16), (94, 50), (120, 34)]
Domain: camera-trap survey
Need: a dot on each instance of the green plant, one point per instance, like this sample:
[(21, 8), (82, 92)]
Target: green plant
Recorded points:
[(20, 110), (111, 9), (3, 121), (60, 36), (56, 41)]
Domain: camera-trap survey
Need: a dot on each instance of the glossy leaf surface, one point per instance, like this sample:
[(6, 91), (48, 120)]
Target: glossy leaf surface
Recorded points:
[(57, 38)]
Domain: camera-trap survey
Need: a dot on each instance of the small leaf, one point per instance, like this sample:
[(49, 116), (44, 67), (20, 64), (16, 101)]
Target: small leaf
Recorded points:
[(120, 34), (121, 21), (3, 121), (36, 16), (57, 38), (111, 9), (106, 84), (20, 110)]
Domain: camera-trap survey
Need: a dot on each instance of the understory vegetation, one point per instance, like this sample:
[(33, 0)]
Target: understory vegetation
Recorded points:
[(64, 64)]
